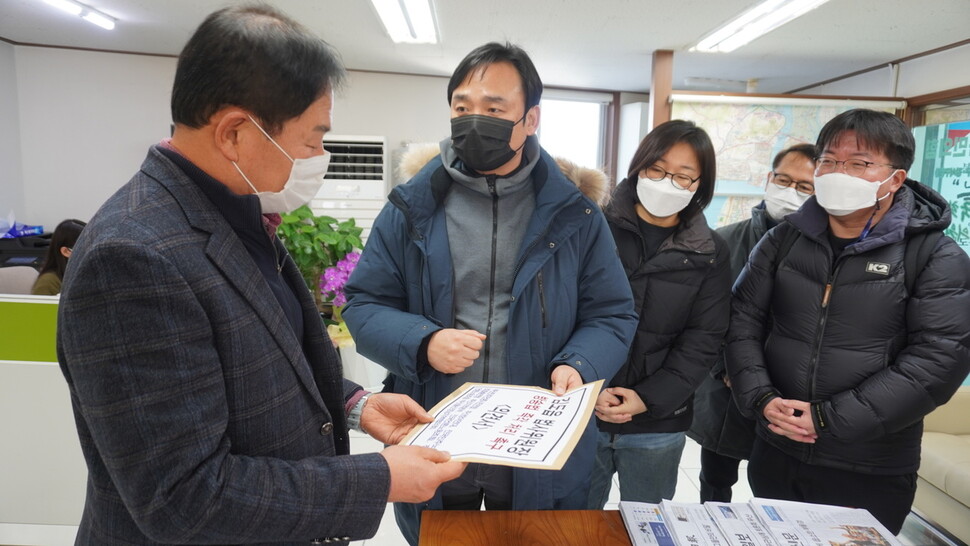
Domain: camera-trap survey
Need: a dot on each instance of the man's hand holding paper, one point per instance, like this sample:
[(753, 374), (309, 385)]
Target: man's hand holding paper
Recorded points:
[(390, 417)]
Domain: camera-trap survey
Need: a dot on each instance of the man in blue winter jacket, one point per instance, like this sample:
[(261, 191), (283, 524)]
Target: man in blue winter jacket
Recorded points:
[(490, 266)]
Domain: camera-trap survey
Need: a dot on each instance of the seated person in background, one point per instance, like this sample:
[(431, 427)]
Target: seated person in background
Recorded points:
[(48, 283)]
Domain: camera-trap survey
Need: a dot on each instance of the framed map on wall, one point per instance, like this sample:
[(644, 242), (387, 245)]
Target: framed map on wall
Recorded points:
[(747, 134)]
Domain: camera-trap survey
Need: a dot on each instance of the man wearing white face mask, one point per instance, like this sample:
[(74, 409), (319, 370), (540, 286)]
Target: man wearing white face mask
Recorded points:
[(724, 434), (848, 326), (789, 184), (210, 403), (306, 178)]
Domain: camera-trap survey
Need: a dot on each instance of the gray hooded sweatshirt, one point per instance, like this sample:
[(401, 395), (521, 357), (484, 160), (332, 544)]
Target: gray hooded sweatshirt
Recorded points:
[(486, 218)]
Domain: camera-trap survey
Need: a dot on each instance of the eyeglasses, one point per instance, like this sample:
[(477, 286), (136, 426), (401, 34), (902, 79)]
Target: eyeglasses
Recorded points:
[(785, 181), (680, 181), (853, 167)]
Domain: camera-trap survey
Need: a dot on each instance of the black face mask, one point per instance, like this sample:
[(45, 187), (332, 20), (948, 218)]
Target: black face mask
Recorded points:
[(482, 142)]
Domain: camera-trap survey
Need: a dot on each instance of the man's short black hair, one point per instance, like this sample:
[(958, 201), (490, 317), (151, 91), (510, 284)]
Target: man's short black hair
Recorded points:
[(494, 52), (881, 132), (256, 58), (661, 139), (807, 150)]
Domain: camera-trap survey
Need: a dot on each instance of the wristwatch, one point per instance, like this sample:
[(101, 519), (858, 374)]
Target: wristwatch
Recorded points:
[(353, 417)]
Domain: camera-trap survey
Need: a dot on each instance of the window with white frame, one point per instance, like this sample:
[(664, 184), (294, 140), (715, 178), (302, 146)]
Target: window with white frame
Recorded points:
[(572, 125)]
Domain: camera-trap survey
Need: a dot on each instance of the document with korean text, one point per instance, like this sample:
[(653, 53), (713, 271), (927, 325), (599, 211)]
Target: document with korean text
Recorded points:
[(509, 425), (739, 524), (691, 524), (805, 524)]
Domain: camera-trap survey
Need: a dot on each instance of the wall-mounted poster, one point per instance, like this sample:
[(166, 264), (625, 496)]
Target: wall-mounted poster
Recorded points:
[(943, 163)]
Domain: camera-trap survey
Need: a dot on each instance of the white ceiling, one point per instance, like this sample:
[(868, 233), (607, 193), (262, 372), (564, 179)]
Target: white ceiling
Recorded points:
[(593, 44)]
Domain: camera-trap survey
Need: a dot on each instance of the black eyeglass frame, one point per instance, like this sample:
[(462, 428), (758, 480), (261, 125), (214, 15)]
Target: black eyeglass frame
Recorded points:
[(798, 185), (831, 165), (672, 177)]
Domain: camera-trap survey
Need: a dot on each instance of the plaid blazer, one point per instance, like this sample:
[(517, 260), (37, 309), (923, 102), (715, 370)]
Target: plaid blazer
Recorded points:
[(201, 418)]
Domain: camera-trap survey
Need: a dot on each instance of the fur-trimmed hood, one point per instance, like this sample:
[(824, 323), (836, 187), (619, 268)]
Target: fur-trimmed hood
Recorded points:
[(592, 182)]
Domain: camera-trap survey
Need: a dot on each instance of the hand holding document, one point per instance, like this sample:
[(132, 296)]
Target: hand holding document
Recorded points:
[(509, 425)]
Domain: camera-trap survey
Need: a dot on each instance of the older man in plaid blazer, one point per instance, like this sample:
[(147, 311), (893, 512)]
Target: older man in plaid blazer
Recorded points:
[(209, 401)]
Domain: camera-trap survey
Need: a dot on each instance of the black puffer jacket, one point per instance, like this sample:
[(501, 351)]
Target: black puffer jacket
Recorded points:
[(718, 424), (872, 359), (682, 294)]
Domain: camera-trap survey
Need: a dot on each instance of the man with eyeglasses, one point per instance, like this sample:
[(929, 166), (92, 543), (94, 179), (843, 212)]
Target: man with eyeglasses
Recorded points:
[(849, 325), (724, 434)]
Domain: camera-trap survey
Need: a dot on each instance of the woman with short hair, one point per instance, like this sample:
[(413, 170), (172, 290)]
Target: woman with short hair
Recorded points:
[(679, 271)]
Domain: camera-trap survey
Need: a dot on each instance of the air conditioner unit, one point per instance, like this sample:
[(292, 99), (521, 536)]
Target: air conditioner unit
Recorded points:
[(356, 184)]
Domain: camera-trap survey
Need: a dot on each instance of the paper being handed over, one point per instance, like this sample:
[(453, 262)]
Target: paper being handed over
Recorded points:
[(509, 425)]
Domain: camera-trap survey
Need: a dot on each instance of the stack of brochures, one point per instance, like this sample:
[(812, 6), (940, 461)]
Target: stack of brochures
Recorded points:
[(760, 522)]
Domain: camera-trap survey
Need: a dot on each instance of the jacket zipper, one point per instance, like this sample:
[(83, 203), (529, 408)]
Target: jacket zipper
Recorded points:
[(490, 180), (826, 299), (542, 300), (276, 256)]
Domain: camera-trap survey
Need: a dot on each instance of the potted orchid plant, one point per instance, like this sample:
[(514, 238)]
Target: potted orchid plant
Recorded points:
[(332, 284), (317, 243), (356, 367)]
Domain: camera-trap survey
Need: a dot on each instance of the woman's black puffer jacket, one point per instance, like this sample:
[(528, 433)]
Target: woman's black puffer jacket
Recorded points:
[(682, 294)]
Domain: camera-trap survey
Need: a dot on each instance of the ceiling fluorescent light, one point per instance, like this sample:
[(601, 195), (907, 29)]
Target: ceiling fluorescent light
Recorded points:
[(67, 5), (87, 13), (99, 19), (754, 23), (408, 21)]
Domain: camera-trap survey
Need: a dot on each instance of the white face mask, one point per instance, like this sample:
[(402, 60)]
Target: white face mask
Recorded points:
[(841, 194), (306, 179), (661, 198), (780, 202)]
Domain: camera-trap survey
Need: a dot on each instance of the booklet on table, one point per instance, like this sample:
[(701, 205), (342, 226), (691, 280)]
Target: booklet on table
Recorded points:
[(645, 524)]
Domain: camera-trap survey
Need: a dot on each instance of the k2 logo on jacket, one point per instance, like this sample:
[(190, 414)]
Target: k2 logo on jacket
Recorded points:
[(878, 268)]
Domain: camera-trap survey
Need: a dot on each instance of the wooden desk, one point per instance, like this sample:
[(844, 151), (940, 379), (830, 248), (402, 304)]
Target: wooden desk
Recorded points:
[(523, 527)]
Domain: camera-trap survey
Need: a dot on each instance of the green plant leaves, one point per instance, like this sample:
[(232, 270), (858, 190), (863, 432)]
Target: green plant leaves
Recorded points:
[(317, 242)]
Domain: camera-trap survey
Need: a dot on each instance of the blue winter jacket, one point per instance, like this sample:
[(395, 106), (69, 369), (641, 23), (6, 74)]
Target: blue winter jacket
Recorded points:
[(571, 303)]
